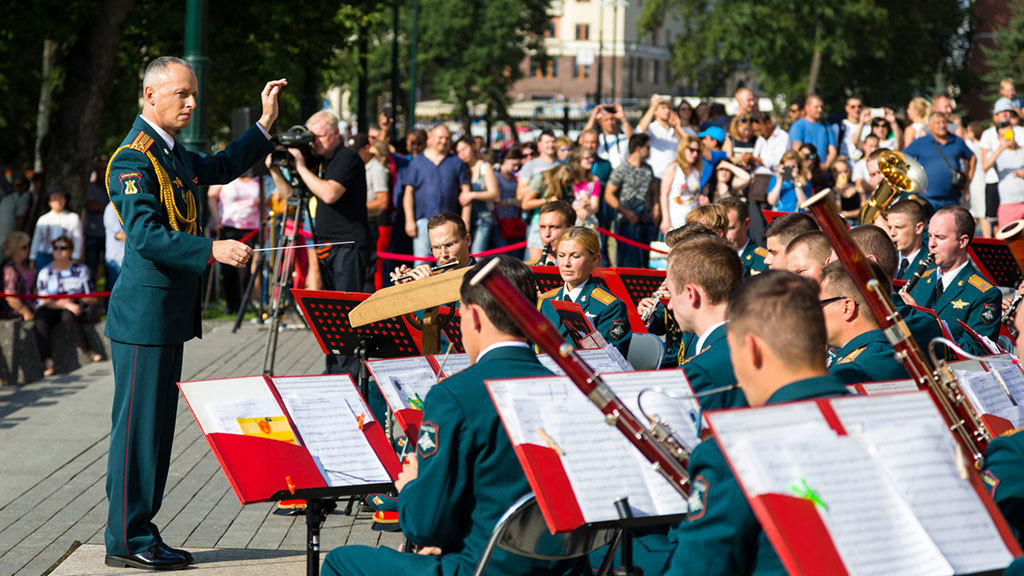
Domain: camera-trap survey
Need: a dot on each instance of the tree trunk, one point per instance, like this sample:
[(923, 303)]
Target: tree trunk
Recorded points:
[(812, 78), (88, 70), (45, 101)]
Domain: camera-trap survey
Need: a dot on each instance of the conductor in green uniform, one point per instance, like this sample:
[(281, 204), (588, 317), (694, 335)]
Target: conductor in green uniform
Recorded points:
[(464, 474), (953, 288), (155, 307)]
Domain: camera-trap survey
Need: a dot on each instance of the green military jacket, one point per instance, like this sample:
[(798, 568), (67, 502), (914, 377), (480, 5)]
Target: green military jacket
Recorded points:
[(468, 472), (921, 256), (1004, 477), (606, 312), (156, 300), (969, 298), (710, 368), (867, 358), (721, 536), (752, 257)]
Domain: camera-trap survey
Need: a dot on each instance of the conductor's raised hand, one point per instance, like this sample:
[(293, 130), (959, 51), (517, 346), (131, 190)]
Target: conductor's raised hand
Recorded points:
[(231, 252), (269, 98)]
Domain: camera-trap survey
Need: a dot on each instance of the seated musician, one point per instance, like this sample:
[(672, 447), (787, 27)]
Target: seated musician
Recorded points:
[(780, 232), (678, 345), (579, 252), (863, 353), (907, 220), (737, 232), (449, 243), (954, 288), (808, 253), (465, 473), (554, 217), (1003, 473), (714, 216), (703, 274), (776, 331)]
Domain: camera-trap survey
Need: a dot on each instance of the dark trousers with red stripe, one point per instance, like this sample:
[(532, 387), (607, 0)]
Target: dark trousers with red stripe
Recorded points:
[(145, 406)]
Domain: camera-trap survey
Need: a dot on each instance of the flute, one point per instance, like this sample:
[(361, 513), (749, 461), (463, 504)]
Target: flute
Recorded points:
[(648, 315), (1008, 314), (434, 270), (917, 274)]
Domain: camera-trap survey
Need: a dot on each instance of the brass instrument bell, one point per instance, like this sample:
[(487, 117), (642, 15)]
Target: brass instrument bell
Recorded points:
[(900, 174)]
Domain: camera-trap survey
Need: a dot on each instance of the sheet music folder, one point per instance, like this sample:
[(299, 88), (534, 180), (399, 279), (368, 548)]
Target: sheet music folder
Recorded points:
[(292, 437), (576, 464), (863, 485)]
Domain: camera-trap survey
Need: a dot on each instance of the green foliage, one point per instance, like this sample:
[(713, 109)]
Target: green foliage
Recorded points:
[(1005, 56), (883, 50)]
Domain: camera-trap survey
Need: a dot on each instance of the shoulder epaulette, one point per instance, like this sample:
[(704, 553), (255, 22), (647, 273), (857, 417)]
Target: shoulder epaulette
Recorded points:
[(549, 293), (852, 355), (762, 252), (979, 283), (142, 142), (928, 272), (603, 297)]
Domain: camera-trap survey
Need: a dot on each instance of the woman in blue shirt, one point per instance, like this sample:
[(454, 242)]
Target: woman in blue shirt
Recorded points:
[(790, 185)]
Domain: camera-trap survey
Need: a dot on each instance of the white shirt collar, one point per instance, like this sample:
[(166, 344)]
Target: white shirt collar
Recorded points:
[(947, 278), (574, 294), (704, 336), (912, 255), (504, 344), (164, 135), (742, 248)]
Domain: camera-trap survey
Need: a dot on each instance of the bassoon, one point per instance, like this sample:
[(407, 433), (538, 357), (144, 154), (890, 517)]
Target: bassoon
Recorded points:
[(658, 443), (964, 422)]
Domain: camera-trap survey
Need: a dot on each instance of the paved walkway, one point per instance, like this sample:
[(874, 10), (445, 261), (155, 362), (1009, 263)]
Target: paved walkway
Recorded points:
[(53, 445)]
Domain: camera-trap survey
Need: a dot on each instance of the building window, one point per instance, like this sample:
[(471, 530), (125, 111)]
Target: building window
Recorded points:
[(581, 71), (549, 30), (583, 31), (656, 69), (553, 68), (638, 65), (548, 70)]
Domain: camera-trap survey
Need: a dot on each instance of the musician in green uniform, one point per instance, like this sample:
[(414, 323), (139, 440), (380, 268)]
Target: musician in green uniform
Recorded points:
[(906, 228), (464, 474), (155, 306), (954, 288), (776, 330), (703, 274), (737, 233), (578, 252), (863, 353), (807, 254), (1003, 475), (780, 232)]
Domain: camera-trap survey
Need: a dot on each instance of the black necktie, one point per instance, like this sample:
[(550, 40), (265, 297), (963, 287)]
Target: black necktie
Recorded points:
[(904, 264), (938, 289)]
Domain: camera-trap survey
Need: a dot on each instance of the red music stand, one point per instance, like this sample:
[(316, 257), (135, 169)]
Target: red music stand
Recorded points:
[(993, 259)]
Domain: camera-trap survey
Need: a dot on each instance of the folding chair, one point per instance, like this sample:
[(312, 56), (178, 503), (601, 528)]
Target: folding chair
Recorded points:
[(645, 352)]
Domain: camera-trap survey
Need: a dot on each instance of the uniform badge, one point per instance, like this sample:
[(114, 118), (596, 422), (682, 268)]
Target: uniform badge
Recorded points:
[(959, 304), (697, 503), (130, 182), (426, 446), (991, 482), (988, 314), (618, 329)]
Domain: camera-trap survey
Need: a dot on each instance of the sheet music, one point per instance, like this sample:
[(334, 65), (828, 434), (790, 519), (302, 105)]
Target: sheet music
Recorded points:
[(453, 365), (917, 452), (888, 387), (401, 379), (988, 396), (327, 410), (1012, 376), (873, 530), (607, 359), (681, 414), (219, 403), (225, 414)]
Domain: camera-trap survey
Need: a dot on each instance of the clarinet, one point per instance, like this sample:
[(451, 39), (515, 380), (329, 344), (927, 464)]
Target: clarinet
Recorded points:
[(543, 260), (917, 274), (433, 271), (658, 443), (1013, 235), (963, 421), (648, 316)]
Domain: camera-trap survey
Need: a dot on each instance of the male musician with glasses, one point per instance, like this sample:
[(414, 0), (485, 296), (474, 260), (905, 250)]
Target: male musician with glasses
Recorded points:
[(863, 353), (449, 242), (776, 330), (953, 288), (465, 473)]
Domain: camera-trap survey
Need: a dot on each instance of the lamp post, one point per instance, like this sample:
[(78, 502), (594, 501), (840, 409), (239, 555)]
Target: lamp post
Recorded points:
[(615, 38), (600, 53)]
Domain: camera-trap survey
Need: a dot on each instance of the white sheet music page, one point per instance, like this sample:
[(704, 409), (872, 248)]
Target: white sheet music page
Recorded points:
[(682, 414), (219, 404), (327, 411), (607, 359), (872, 528), (1012, 376), (918, 454), (454, 364), (887, 387), (988, 395), (401, 379)]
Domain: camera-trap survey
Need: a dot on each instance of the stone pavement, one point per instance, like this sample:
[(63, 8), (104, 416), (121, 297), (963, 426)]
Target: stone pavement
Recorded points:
[(53, 445)]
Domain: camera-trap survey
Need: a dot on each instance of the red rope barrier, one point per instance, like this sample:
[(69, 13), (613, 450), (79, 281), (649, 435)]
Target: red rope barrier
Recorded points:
[(410, 258), (629, 241), (54, 296)]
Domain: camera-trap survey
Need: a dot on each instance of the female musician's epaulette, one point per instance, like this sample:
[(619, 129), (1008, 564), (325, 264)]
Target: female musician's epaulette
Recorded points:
[(601, 296), (142, 142), (979, 283)]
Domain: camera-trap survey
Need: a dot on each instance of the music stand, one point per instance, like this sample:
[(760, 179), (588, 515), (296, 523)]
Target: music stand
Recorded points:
[(453, 332), (572, 317), (547, 278), (993, 259)]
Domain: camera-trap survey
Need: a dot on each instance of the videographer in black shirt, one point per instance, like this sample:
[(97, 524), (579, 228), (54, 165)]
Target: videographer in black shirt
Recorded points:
[(339, 216)]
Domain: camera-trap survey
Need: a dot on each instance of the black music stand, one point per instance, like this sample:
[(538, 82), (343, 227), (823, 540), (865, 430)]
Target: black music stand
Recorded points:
[(993, 258), (639, 283), (547, 277), (453, 332)]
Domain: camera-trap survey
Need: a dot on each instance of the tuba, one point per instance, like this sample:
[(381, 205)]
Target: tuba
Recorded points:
[(900, 174)]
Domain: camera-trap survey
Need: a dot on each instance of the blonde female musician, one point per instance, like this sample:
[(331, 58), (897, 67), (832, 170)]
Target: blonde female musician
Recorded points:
[(578, 252)]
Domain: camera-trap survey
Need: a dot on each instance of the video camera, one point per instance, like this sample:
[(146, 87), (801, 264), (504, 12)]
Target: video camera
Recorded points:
[(298, 137)]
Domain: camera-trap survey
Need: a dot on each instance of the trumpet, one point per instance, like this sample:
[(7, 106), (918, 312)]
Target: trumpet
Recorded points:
[(963, 420), (917, 274), (440, 268), (899, 174)]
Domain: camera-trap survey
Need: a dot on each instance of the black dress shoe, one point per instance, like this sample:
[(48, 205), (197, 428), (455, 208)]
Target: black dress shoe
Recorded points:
[(183, 553), (156, 558)]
